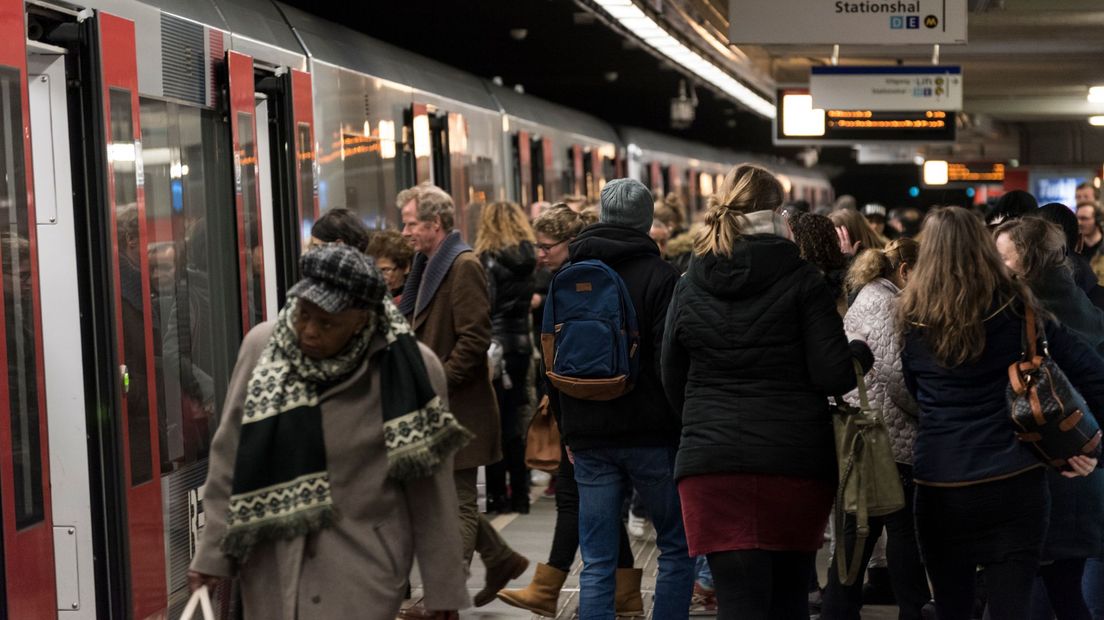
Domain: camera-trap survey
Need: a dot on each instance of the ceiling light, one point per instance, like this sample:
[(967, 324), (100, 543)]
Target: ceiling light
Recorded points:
[(800, 118), (1096, 94), (935, 172), (655, 36), (1096, 121)]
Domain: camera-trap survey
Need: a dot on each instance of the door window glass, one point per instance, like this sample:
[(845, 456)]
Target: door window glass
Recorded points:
[(19, 324), (184, 189), (305, 153), (122, 153), (254, 260)]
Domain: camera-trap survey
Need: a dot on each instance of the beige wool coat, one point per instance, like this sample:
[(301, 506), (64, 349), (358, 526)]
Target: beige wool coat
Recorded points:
[(456, 324), (357, 568)]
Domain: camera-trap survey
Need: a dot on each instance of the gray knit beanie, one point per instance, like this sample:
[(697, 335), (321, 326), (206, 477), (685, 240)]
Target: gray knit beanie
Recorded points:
[(626, 202)]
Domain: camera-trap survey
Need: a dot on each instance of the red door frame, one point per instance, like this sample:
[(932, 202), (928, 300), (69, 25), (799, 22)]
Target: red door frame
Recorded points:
[(579, 180), (30, 586), (302, 113), (548, 181), (525, 170), (240, 76), (145, 527)]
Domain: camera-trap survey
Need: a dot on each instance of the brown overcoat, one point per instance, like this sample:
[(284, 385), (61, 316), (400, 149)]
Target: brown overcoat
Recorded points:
[(456, 324), (358, 567)]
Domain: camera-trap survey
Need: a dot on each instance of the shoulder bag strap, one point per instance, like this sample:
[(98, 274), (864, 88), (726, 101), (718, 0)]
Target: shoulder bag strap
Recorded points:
[(1031, 332), (860, 384)]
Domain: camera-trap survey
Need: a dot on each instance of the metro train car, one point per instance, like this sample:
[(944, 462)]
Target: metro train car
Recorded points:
[(163, 163)]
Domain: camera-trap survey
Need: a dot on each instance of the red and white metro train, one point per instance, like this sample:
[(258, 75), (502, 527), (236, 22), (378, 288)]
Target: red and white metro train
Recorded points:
[(160, 164)]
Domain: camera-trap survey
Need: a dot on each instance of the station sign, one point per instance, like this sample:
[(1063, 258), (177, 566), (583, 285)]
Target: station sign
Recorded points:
[(798, 122), (887, 88), (847, 22), (975, 172)]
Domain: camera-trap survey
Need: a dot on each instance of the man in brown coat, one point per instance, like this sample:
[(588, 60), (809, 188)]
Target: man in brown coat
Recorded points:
[(447, 302)]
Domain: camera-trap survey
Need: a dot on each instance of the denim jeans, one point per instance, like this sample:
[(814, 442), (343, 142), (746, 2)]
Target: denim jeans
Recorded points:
[(704, 577), (602, 474), (1092, 585)]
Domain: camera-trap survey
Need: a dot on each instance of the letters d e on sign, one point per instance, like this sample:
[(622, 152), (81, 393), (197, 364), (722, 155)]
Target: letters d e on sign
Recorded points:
[(847, 22)]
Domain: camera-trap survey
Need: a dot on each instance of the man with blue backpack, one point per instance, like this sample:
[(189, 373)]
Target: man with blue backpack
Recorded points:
[(600, 340)]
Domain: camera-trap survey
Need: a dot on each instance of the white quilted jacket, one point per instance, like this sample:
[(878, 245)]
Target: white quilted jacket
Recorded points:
[(873, 319)]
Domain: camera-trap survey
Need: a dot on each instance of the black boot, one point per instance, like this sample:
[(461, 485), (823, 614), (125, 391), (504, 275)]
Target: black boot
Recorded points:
[(498, 504)]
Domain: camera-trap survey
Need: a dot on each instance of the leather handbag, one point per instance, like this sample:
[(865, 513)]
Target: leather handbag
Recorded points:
[(869, 482), (542, 442), (1049, 413)]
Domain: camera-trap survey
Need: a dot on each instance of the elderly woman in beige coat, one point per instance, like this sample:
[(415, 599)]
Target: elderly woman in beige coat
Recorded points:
[(332, 466)]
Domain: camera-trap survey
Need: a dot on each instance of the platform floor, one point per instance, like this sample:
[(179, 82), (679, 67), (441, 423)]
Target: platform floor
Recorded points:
[(531, 535)]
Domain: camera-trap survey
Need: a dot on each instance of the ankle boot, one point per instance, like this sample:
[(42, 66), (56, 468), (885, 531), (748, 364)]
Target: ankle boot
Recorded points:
[(541, 596), (627, 599)]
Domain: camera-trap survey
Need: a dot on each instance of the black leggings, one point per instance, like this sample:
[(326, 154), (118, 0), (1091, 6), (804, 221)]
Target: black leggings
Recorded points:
[(565, 539), (906, 569), (513, 436), (756, 584), (1062, 593)]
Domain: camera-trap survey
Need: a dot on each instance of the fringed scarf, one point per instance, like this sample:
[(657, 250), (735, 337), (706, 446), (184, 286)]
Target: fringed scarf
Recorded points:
[(281, 488)]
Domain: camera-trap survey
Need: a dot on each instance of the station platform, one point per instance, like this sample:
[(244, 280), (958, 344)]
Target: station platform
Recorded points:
[(531, 536)]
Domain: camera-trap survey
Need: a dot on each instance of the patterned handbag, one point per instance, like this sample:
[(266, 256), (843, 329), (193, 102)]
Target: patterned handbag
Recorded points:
[(1049, 413)]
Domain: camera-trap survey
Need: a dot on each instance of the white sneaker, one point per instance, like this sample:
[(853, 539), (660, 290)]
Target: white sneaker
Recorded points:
[(636, 525)]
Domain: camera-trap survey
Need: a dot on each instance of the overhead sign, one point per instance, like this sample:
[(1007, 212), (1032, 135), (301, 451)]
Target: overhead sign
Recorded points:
[(887, 88), (975, 172), (850, 22), (798, 122)]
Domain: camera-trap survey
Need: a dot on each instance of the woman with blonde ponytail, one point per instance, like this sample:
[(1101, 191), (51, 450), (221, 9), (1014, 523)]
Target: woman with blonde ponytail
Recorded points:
[(877, 277), (752, 346)]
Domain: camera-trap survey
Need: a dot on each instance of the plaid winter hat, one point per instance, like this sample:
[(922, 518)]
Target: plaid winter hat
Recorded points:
[(337, 277)]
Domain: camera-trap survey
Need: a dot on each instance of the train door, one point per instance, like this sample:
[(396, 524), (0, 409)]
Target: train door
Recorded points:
[(26, 535), (578, 177), (542, 155)]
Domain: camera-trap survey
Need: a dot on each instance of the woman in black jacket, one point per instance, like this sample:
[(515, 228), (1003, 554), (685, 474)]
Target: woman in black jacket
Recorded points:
[(505, 247), (752, 347), (1035, 251), (981, 497)]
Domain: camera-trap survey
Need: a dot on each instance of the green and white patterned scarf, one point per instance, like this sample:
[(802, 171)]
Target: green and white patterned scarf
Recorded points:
[(281, 488)]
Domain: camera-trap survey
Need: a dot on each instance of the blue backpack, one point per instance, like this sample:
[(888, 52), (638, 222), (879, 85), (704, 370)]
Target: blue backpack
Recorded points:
[(589, 336)]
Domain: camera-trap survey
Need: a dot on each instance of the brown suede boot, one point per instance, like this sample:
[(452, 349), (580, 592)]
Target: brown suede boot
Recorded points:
[(541, 596), (627, 599), (499, 575)]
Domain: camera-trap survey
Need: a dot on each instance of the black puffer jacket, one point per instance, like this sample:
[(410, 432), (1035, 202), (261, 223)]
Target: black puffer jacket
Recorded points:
[(753, 347), (510, 278), (641, 417)]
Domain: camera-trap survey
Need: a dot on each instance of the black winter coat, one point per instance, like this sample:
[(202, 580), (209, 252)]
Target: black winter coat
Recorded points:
[(642, 417), (753, 347), (1071, 306), (511, 283)]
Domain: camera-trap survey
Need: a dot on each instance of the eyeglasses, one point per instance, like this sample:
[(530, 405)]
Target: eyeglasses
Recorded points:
[(547, 247)]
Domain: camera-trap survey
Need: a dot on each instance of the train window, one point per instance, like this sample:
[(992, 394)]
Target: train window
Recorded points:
[(122, 153), (19, 323), (184, 191), (305, 153), (253, 287)]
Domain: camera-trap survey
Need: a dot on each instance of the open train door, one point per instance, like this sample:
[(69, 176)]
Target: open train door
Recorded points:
[(247, 198), (136, 388), (29, 589)]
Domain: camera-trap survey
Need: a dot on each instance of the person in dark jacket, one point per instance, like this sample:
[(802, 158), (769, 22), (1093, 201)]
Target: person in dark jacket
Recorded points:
[(633, 437), (982, 497), (505, 247), (818, 244), (1035, 251), (1060, 214), (752, 348), (555, 229)]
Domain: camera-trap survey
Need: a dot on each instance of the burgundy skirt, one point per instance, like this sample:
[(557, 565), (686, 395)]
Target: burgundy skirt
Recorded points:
[(734, 511)]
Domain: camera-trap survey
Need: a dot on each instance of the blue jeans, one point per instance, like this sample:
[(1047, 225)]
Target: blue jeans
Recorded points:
[(1092, 584), (704, 574), (602, 475)]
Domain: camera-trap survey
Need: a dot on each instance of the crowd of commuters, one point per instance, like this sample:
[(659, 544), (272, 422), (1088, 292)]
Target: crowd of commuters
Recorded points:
[(358, 420)]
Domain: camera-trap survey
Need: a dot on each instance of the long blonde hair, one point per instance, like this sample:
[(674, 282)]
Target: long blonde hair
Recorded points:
[(502, 225), (882, 263), (858, 229), (746, 189), (958, 281)]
